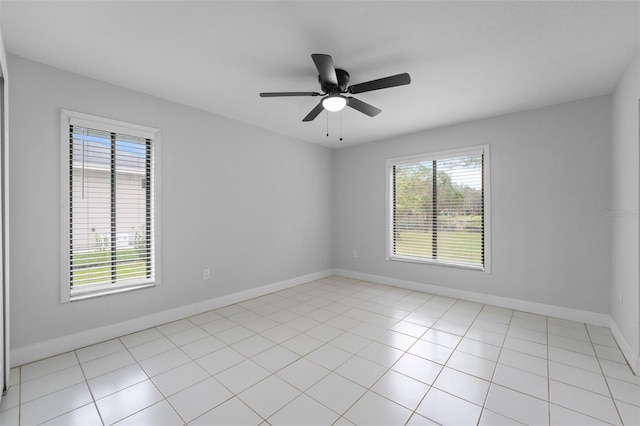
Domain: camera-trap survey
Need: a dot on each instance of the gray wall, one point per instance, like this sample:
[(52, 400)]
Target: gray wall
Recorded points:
[(253, 206), (624, 199), (258, 207), (550, 183)]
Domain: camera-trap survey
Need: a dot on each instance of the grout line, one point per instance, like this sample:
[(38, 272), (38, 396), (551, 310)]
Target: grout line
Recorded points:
[(86, 383), (491, 382), (341, 415), (604, 376), (361, 296), (548, 372), (20, 396)]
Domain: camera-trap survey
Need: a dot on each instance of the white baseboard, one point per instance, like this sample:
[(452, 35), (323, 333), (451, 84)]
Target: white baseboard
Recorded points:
[(633, 359), (588, 317), (503, 302), (37, 351), (30, 353)]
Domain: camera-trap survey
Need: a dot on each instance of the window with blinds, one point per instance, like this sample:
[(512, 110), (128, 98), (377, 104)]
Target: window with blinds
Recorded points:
[(110, 208), (437, 208)]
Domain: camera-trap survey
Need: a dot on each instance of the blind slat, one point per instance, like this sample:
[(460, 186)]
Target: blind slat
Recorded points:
[(111, 199), (438, 209)]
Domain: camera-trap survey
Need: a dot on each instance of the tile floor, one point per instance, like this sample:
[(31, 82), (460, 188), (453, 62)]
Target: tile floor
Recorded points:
[(337, 351)]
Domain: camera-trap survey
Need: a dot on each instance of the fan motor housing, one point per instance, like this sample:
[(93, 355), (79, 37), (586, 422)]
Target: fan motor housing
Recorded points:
[(343, 82)]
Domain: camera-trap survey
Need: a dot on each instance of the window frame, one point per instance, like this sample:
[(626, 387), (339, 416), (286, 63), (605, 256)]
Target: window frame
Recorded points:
[(68, 118), (431, 156)]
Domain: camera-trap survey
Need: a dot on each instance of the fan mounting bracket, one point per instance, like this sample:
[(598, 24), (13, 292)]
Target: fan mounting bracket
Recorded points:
[(343, 82)]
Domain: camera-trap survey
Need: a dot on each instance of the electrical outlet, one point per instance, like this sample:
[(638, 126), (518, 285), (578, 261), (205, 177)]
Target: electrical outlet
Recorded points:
[(621, 297), (206, 274), (355, 253)]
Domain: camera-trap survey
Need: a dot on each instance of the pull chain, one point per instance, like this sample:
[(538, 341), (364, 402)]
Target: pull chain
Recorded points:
[(327, 124), (327, 115)]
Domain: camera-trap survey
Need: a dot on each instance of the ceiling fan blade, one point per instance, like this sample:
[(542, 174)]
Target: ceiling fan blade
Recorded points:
[(314, 112), (324, 64), (363, 107), (381, 83), (278, 94)]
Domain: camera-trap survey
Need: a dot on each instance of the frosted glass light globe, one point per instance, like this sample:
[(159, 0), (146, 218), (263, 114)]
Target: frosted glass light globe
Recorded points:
[(334, 103)]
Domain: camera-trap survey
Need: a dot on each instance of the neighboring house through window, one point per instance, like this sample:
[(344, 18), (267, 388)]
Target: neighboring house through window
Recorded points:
[(438, 208), (110, 214)]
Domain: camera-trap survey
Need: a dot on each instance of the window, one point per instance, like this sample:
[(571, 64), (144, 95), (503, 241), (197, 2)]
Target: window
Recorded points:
[(438, 208), (110, 212)]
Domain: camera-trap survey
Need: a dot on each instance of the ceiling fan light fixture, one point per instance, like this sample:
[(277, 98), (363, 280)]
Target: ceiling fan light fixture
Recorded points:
[(334, 103), (334, 82)]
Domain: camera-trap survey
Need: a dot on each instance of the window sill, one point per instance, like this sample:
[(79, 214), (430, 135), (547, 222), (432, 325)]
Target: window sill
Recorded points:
[(90, 294), (448, 264)]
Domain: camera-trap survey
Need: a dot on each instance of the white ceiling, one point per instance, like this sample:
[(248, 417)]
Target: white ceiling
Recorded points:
[(467, 60)]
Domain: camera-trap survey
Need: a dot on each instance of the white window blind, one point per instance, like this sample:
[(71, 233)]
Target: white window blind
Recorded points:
[(111, 238), (438, 209)]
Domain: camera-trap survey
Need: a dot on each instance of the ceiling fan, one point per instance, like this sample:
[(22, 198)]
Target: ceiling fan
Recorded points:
[(334, 84)]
